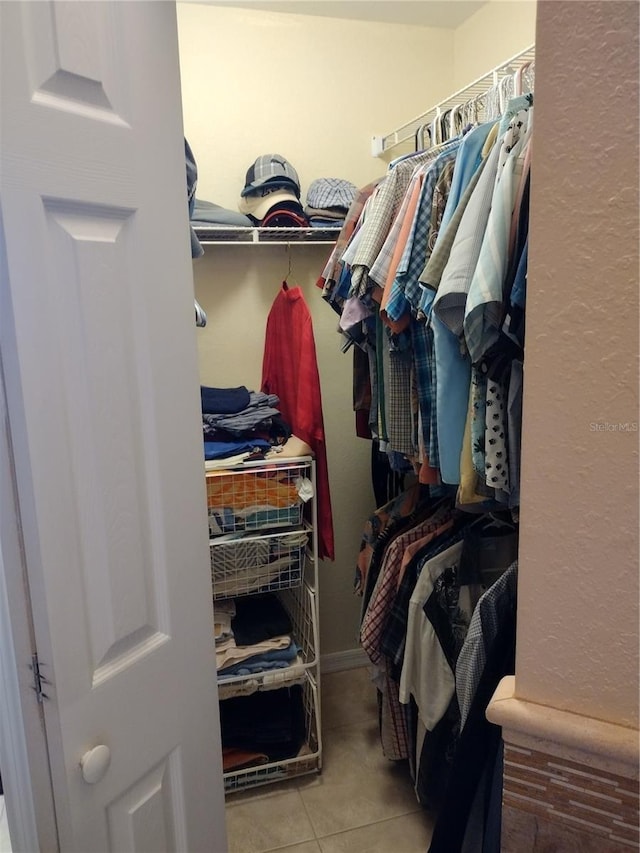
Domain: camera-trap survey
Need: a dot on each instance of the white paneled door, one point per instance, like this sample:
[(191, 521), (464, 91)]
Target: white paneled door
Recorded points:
[(98, 347)]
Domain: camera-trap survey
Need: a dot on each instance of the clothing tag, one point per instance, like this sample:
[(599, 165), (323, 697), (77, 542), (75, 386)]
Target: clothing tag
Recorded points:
[(304, 487)]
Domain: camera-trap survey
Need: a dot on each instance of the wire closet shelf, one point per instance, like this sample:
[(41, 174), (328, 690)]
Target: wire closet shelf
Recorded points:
[(229, 235), (497, 83)]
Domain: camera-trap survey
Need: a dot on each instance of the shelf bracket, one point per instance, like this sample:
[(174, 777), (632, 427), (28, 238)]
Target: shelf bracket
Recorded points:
[(377, 146)]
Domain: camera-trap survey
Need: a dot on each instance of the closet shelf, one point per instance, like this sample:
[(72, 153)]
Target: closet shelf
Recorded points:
[(474, 91), (309, 757), (225, 235), (301, 606)]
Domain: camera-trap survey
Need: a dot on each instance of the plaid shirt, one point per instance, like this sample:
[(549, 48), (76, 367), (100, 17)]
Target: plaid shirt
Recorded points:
[(376, 228), (331, 272), (424, 359), (380, 270), (385, 589), (399, 415), (400, 507), (489, 614), (393, 725), (439, 204), (405, 292)]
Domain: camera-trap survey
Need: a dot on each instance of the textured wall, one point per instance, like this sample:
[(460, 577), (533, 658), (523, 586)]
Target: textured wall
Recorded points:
[(578, 604)]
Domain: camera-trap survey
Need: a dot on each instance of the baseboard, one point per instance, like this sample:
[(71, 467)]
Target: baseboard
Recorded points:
[(349, 659)]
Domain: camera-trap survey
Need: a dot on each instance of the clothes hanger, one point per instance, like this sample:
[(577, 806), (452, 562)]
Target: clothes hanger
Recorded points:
[(517, 81), (456, 123), (201, 317), (505, 92), (491, 522), (493, 103), (529, 75), (419, 137), (436, 131), (444, 125), (285, 282)]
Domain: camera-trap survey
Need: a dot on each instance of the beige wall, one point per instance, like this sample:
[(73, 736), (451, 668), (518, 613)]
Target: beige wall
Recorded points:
[(496, 32), (312, 89), (578, 595)]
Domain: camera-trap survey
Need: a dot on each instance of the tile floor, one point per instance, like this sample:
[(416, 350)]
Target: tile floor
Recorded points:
[(360, 803)]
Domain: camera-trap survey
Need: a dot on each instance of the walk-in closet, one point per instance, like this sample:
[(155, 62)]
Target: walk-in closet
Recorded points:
[(343, 561)]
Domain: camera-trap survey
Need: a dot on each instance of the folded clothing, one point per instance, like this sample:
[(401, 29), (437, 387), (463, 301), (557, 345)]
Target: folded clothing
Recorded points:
[(261, 661), (272, 428), (273, 489), (238, 759), (208, 213), (269, 722), (260, 410), (332, 213), (223, 401), (260, 668), (229, 652), (283, 572), (259, 618), (224, 449), (224, 611), (316, 222)]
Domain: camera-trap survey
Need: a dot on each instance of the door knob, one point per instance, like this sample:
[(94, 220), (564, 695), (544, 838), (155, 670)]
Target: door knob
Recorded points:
[(95, 763)]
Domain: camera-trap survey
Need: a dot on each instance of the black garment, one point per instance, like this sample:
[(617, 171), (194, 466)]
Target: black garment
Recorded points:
[(387, 483), (259, 618), (478, 746), (271, 722), (488, 552), (273, 429), (436, 759)]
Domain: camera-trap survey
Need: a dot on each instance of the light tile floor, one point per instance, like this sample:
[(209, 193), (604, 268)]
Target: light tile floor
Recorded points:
[(360, 803)]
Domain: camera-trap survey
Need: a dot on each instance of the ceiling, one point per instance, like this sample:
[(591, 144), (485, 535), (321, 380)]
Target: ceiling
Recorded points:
[(426, 13)]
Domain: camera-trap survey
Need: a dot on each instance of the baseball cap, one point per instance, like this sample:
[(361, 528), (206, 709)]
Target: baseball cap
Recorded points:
[(285, 215), (259, 205), (331, 192), (269, 169)]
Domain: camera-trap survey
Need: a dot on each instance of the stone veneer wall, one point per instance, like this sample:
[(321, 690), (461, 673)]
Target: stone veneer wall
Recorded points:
[(562, 800)]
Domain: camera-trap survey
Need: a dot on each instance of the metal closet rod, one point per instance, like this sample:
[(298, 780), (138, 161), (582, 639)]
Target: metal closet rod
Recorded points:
[(479, 87)]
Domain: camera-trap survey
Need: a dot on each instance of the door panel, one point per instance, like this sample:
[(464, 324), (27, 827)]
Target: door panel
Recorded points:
[(97, 336), (120, 580), (151, 812)]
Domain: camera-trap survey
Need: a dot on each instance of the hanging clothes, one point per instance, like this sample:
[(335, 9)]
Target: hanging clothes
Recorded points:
[(429, 284), (290, 371)]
